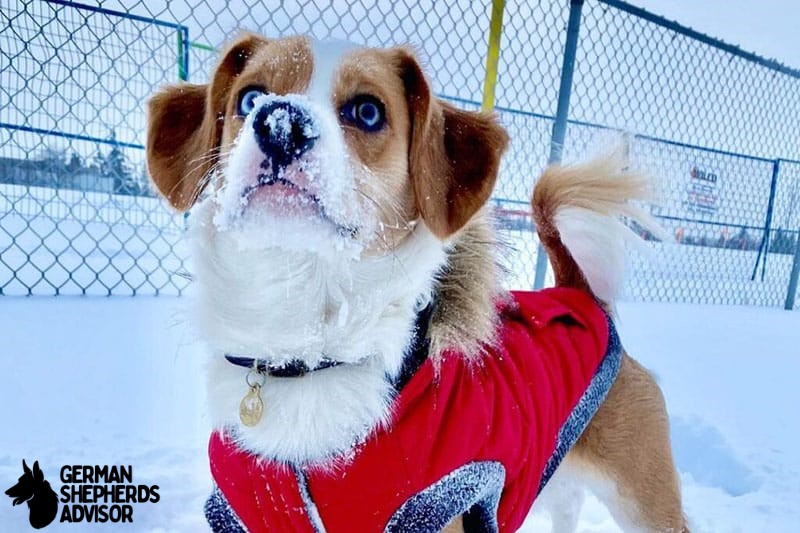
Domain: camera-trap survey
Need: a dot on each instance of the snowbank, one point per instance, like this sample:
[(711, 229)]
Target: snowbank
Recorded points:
[(119, 381)]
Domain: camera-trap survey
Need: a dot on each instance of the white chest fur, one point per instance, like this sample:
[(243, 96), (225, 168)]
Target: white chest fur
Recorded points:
[(281, 304)]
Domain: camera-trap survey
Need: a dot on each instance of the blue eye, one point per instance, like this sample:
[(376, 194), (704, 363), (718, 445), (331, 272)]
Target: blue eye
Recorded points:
[(247, 98), (364, 112)]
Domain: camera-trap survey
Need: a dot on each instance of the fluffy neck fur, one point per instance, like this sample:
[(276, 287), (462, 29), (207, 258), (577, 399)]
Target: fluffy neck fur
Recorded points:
[(281, 304), (467, 291)]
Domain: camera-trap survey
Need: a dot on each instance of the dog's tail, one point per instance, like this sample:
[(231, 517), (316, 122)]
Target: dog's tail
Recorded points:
[(578, 210)]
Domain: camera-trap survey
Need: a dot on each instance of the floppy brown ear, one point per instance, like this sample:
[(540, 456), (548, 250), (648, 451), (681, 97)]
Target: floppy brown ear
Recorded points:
[(454, 155), (183, 130), (176, 141)]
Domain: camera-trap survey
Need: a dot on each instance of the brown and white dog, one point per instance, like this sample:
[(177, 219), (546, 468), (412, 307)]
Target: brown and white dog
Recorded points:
[(333, 197)]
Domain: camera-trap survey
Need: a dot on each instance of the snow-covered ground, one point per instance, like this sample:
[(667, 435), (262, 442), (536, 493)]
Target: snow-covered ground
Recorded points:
[(119, 381), (62, 241)]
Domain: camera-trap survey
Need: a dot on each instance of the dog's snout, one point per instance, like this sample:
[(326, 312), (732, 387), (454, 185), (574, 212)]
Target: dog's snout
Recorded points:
[(284, 131)]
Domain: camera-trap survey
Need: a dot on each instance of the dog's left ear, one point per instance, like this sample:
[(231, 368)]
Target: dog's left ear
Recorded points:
[(454, 155)]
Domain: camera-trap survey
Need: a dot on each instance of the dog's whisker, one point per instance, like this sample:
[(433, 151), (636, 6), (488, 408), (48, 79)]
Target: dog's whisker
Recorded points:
[(402, 225)]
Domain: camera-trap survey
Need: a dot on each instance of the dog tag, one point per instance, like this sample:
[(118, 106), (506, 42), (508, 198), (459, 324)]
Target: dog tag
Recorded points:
[(251, 406)]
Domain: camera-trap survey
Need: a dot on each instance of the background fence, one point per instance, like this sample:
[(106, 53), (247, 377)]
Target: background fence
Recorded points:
[(719, 127)]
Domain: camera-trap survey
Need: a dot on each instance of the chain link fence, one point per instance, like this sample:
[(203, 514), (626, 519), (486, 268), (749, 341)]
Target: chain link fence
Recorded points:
[(711, 122), (718, 127)]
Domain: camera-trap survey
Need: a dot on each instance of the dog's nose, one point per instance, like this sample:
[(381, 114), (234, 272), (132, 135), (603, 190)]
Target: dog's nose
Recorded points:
[(284, 131)]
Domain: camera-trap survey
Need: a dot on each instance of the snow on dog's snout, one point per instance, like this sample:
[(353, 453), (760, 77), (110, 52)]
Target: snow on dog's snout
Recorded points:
[(288, 180)]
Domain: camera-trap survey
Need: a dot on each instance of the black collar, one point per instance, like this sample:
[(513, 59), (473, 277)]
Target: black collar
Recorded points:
[(290, 369), (416, 354)]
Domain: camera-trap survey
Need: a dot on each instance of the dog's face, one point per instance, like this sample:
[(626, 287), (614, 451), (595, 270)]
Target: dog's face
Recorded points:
[(323, 145), (332, 180)]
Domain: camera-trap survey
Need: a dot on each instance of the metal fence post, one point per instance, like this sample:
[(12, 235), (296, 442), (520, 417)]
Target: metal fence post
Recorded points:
[(562, 114), (764, 246), (791, 293)]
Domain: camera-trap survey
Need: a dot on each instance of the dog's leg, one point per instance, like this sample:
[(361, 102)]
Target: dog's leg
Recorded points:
[(626, 458), (456, 526), (562, 497)]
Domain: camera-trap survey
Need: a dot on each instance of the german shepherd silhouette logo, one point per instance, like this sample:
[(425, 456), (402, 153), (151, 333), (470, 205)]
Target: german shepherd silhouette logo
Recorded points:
[(34, 489)]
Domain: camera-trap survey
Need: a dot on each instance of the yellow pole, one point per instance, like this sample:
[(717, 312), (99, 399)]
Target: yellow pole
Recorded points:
[(493, 55)]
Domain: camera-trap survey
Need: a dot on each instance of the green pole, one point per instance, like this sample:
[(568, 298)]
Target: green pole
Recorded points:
[(201, 46), (182, 74)]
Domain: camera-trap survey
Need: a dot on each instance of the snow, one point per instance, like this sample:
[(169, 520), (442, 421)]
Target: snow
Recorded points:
[(88, 241), (120, 381), (104, 381)]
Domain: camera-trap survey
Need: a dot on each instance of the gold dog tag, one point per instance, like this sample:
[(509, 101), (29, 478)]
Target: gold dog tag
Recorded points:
[(251, 407)]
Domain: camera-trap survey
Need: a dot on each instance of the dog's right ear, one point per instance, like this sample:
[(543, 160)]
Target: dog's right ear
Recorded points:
[(184, 129), (25, 468), (454, 155)]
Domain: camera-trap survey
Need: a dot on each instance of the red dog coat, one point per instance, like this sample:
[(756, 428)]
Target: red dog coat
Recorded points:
[(473, 440)]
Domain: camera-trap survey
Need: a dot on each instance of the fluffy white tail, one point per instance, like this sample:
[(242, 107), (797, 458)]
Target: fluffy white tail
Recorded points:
[(578, 210)]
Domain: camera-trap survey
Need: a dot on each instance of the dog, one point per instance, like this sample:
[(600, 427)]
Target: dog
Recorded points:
[(368, 371), (34, 489)]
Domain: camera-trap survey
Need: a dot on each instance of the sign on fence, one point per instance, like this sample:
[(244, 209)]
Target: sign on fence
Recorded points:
[(703, 191)]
